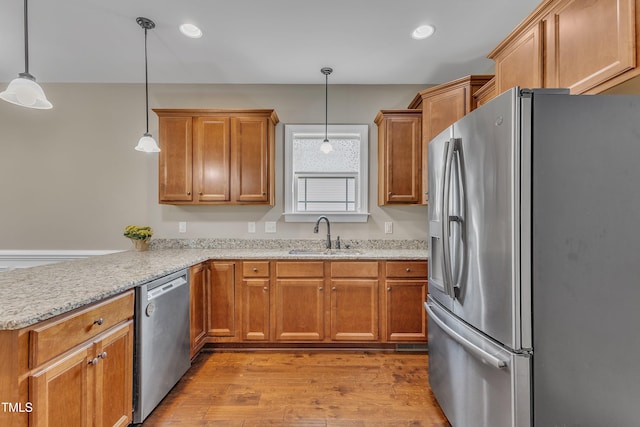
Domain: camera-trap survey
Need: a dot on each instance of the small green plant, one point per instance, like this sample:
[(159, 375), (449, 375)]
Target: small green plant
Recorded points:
[(138, 232)]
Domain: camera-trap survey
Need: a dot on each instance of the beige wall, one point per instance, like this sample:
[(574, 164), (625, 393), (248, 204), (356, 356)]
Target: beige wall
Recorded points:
[(70, 179)]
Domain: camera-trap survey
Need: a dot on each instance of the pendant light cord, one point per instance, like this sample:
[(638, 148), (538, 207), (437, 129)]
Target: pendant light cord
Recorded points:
[(26, 40), (326, 71), (146, 81), (326, 107)]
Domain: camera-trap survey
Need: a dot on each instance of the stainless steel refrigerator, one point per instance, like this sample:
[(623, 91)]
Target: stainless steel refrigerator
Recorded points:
[(534, 281)]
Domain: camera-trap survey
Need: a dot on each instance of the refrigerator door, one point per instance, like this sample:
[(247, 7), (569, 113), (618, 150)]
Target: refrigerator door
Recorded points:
[(483, 218), (477, 382), (586, 260), (438, 285)]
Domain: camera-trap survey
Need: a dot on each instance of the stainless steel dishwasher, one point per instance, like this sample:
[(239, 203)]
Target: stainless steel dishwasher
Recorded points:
[(161, 354)]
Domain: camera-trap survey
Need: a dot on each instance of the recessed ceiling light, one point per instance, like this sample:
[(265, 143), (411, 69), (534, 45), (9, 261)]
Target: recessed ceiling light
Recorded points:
[(423, 31), (191, 30)]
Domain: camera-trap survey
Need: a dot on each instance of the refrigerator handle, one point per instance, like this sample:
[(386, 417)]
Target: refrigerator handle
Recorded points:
[(470, 347), (457, 154), (446, 244)]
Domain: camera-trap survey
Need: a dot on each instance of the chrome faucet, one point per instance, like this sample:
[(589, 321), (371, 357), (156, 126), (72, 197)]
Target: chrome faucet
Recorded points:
[(315, 229)]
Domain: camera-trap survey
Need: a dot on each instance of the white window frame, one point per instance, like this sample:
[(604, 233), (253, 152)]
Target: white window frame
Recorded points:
[(291, 132)]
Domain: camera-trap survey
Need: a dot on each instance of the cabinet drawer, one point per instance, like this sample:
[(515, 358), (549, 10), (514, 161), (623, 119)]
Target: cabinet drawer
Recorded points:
[(300, 269), (255, 269), (407, 269), (354, 269), (67, 331)]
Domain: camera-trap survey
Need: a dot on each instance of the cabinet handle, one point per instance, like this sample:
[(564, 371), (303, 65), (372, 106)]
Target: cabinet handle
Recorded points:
[(200, 193), (255, 269), (103, 355), (388, 289), (321, 288), (99, 321), (389, 193), (188, 193), (264, 194), (93, 361), (265, 288), (334, 289), (408, 270)]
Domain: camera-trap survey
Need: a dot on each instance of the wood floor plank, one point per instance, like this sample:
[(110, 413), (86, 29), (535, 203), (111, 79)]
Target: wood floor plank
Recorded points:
[(322, 388)]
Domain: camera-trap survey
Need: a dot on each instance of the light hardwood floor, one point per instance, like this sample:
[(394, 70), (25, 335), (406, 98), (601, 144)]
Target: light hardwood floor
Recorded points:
[(300, 388)]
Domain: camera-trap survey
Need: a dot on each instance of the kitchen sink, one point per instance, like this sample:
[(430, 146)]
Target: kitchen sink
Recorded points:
[(324, 252)]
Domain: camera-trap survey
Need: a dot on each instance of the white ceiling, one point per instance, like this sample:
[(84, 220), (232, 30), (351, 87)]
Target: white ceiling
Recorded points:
[(256, 41)]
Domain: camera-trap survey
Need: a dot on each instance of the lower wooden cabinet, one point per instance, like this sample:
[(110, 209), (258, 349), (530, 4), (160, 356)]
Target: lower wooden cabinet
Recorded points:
[(114, 377), (198, 283), (61, 393), (90, 386), (86, 382), (255, 300), (222, 299), (300, 301), (354, 301), (406, 292)]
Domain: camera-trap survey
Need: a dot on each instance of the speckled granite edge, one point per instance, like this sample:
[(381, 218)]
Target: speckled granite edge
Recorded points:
[(283, 244), (34, 294)]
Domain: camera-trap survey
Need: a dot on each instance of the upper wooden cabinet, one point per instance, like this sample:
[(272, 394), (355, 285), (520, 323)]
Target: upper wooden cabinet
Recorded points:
[(486, 92), (399, 157), (445, 104), (586, 46), (216, 156), (441, 107), (520, 63)]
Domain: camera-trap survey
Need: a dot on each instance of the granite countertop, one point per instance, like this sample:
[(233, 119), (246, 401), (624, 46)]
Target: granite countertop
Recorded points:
[(34, 294)]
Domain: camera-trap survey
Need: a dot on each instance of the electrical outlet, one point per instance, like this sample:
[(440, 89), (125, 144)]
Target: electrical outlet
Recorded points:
[(182, 227), (388, 227), (251, 227), (270, 227)]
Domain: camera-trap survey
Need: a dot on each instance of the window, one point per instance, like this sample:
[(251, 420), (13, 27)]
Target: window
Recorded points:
[(326, 179)]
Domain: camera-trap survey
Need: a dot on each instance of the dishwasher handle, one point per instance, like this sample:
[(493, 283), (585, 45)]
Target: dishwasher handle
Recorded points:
[(476, 351), (166, 287)]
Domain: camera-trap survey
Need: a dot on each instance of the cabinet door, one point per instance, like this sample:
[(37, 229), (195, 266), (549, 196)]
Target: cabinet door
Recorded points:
[(62, 393), (175, 159), (402, 166), (520, 63), (589, 42), (250, 182), (255, 306), (406, 316), (221, 296), (198, 279), (114, 379), (211, 161), (354, 310), (442, 110), (299, 309)]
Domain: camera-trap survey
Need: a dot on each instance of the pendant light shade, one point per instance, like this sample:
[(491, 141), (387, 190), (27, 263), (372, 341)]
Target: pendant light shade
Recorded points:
[(326, 146), (146, 144), (24, 90)]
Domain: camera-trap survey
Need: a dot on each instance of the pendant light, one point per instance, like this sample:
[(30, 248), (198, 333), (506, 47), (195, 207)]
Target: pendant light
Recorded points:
[(24, 90), (146, 143), (326, 146)]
